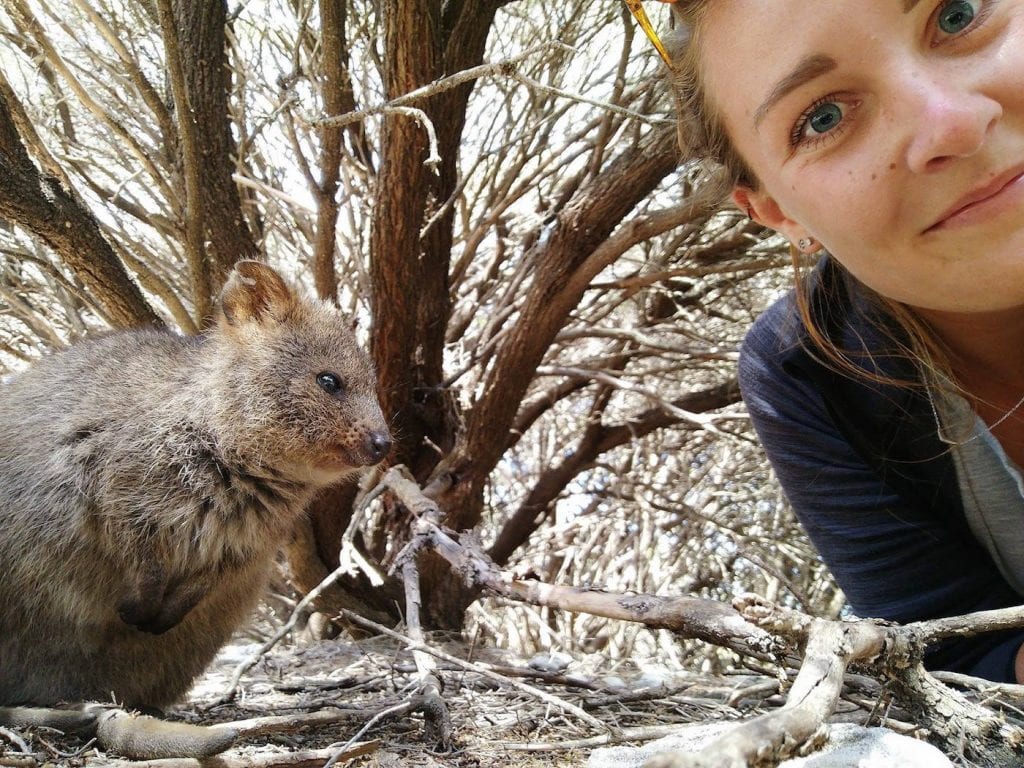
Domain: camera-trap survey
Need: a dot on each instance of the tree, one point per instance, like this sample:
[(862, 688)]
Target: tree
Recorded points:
[(493, 189)]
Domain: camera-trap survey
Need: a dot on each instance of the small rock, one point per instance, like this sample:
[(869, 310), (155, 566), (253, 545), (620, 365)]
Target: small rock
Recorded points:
[(551, 663), (653, 679)]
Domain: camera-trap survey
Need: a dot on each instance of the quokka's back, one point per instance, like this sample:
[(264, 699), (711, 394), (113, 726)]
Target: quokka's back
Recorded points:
[(147, 480)]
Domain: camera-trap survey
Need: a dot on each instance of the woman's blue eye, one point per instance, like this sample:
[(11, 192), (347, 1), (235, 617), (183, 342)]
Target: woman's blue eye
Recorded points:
[(825, 118), (956, 16), (822, 117)]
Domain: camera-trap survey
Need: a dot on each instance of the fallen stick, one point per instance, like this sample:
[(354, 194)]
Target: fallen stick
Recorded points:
[(305, 758), (689, 617), (624, 736), (281, 724), (339, 751), (893, 654)]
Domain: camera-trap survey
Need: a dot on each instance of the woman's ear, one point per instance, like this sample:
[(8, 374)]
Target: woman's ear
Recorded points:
[(763, 208)]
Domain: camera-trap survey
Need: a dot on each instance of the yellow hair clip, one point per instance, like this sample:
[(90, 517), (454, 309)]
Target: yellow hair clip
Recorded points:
[(637, 9)]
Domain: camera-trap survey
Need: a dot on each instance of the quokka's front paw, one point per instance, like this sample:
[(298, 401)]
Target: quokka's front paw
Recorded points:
[(144, 616), (158, 616)]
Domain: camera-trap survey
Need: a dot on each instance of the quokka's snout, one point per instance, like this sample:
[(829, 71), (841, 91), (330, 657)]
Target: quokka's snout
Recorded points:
[(361, 446), (376, 446)]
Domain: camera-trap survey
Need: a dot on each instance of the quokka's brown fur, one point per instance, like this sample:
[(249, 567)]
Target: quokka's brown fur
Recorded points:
[(148, 479)]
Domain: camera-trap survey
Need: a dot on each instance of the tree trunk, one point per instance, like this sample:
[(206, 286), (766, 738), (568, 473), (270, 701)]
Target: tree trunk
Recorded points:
[(202, 34)]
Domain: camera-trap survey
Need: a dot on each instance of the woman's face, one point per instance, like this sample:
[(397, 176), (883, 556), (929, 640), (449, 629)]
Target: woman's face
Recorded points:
[(892, 131)]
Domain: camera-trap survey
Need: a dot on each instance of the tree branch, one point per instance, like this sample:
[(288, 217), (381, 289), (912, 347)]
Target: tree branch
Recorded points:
[(188, 131), (49, 211), (201, 30), (337, 97), (596, 441)]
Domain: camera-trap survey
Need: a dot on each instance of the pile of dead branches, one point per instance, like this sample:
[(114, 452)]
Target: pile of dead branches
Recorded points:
[(801, 674)]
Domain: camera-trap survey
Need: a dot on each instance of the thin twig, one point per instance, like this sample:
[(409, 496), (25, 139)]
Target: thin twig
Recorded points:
[(349, 555), (472, 667), (634, 734), (341, 749), (344, 566), (287, 627), (401, 482), (506, 68), (15, 739), (551, 90), (438, 86), (306, 758)]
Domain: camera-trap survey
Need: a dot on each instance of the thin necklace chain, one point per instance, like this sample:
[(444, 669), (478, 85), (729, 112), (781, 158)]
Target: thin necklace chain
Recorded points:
[(938, 382), (1006, 415)]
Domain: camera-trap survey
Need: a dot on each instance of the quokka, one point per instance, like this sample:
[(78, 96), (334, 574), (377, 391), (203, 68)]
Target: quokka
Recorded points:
[(148, 479)]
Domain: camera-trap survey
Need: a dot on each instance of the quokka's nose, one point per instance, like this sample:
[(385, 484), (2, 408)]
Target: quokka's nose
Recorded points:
[(378, 445)]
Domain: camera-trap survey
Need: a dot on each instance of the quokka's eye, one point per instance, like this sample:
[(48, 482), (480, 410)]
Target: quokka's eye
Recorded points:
[(330, 383)]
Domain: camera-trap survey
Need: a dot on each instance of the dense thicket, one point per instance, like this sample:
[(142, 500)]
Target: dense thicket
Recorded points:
[(494, 191)]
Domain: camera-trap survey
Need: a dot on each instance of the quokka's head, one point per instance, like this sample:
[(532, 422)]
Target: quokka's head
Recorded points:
[(293, 383)]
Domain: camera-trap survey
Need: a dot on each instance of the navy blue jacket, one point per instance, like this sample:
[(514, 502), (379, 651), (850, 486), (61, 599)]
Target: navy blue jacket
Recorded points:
[(870, 481)]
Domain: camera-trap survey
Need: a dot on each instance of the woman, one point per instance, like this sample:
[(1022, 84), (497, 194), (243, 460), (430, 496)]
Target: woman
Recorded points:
[(888, 390)]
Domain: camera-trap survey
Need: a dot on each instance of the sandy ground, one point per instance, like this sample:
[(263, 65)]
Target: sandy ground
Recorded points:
[(504, 711)]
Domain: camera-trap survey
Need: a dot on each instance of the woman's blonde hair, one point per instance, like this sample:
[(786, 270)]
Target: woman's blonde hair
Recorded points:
[(704, 139), (701, 131)]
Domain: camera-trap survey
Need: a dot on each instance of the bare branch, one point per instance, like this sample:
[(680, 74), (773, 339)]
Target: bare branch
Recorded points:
[(195, 248), (47, 210)]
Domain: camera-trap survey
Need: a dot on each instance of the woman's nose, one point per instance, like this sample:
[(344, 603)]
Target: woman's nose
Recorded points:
[(949, 119)]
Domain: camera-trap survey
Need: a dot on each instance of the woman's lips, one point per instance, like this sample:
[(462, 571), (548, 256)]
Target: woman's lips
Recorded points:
[(1003, 192)]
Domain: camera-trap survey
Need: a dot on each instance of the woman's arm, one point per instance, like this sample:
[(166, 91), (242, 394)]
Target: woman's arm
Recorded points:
[(894, 557)]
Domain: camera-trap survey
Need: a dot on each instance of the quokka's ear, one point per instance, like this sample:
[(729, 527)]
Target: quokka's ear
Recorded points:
[(255, 293)]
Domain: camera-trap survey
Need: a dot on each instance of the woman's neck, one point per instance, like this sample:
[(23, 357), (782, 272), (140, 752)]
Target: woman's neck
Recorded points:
[(987, 357), (984, 346)]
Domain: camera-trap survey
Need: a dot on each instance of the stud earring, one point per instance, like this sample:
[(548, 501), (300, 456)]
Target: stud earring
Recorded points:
[(805, 243)]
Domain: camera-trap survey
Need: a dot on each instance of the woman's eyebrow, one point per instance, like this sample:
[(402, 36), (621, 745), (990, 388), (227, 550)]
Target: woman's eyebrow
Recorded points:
[(808, 69)]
